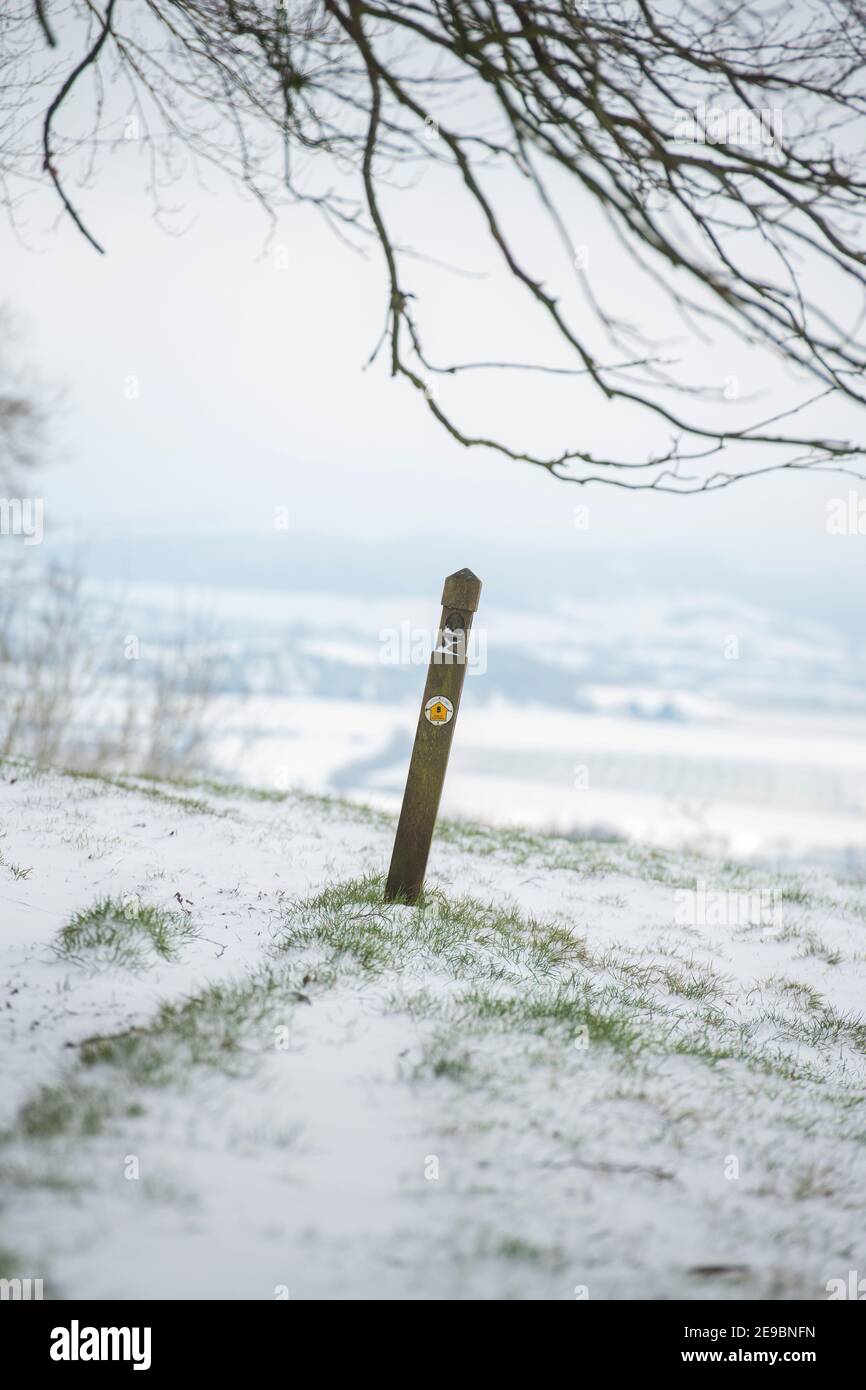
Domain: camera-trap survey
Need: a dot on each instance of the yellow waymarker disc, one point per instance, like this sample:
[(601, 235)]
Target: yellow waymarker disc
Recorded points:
[(439, 710)]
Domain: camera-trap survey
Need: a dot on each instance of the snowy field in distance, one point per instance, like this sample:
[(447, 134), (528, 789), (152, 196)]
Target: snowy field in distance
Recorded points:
[(627, 718)]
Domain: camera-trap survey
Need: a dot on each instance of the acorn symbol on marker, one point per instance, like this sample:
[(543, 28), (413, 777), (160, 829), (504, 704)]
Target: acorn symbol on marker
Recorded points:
[(439, 710)]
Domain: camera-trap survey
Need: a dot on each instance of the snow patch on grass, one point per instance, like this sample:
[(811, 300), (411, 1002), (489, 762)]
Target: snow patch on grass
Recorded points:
[(123, 932), (538, 1079)]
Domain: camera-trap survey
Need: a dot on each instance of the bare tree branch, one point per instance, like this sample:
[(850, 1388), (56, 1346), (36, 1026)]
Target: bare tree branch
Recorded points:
[(43, 23), (722, 144), (48, 161)]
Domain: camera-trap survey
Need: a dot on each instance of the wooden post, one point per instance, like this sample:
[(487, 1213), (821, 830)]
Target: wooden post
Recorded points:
[(439, 706)]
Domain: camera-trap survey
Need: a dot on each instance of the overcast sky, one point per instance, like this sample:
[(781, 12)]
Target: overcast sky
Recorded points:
[(253, 394)]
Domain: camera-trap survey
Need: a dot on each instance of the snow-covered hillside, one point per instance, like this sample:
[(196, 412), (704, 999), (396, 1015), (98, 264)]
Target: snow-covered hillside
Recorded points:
[(576, 1070)]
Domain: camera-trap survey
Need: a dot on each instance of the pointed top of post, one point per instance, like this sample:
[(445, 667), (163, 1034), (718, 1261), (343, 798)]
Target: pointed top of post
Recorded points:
[(462, 590)]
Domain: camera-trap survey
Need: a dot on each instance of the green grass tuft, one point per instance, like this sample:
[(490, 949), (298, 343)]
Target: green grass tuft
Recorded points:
[(68, 1108), (123, 932)]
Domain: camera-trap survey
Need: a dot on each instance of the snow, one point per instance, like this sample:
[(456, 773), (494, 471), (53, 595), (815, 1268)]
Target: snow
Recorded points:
[(754, 785), (679, 738), (304, 1172)]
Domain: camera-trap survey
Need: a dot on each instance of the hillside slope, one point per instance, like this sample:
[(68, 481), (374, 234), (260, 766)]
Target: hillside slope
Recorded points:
[(230, 1071)]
